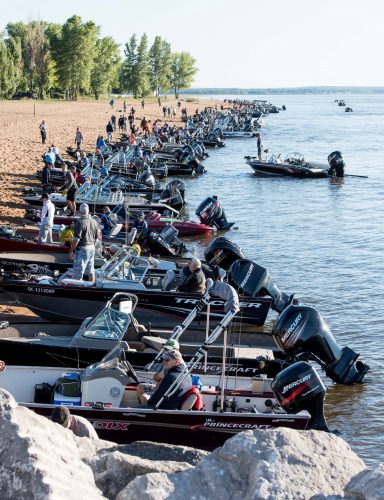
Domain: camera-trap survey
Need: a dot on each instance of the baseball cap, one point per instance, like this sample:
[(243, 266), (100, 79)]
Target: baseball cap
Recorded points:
[(44, 196), (196, 262), (172, 355), (172, 345)]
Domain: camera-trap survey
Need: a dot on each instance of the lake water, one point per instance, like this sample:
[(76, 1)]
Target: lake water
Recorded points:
[(320, 238)]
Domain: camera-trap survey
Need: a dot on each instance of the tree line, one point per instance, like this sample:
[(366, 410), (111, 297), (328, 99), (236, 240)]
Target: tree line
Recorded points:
[(65, 61)]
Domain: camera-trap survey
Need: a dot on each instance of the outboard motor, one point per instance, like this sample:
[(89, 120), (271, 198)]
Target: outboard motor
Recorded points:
[(336, 164), (161, 170), (211, 213), (172, 197), (223, 252), (177, 184), (299, 388), (147, 178), (253, 280), (302, 331)]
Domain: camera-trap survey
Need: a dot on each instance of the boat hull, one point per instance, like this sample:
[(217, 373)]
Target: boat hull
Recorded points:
[(204, 430), (162, 310), (262, 168)]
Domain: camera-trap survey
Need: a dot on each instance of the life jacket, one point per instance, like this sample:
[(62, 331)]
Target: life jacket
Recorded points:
[(199, 405)]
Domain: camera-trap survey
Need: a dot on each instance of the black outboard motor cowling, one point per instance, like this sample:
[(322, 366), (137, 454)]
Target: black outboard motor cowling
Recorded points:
[(336, 164), (211, 213), (147, 178), (302, 330), (252, 280), (172, 197), (223, 252), (299, 388)]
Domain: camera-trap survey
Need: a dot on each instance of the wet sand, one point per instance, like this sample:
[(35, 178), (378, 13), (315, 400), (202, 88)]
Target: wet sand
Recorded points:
[(21, 149)]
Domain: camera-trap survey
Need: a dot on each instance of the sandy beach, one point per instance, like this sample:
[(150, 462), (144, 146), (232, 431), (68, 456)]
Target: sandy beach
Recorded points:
[(21, 149)]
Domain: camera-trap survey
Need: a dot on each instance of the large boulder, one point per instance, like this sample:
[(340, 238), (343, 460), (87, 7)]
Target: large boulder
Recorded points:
[(114, 466), (279, 463), (121, 468), (367, 485), (39, 459)]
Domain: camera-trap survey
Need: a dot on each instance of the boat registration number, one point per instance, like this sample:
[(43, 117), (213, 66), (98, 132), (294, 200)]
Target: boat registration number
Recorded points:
[(37, 289)]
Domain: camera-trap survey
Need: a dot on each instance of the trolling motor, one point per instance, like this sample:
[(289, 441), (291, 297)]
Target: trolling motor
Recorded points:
[(211, 213), (301, 331), (298, 388), (253, 280), (336, 164)]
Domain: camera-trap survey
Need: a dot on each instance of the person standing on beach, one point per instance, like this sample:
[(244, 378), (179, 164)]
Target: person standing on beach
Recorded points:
[(125, 106), (142, 104), (259, 147), (109, 130), (47, 215), (43, 132), (113, 121), (112, 103), (79, 139)]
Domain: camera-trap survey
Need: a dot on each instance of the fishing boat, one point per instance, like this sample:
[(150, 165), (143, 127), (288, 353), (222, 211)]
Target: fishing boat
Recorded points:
[(216, 407), (159, 303), (238, 134), (294, 165), (98, 197)]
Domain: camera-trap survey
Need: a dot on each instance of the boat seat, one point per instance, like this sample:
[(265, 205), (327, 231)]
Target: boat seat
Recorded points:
[(167, 282), (71, 281), (189, 402)]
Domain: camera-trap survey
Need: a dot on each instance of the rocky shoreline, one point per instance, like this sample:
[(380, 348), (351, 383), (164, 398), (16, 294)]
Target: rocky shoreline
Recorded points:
[(42, 460)]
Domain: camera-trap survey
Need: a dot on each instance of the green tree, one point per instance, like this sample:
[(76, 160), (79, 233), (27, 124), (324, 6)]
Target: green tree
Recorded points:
[(129, 65), (107, 63), (75, 56), (160, 56), (182, 70), (10, 66), (141, 71)]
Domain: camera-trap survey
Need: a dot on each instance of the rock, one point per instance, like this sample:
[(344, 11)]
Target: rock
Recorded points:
[(278, 463), (163, 451), (121, 468), (39, 459), (367, 485), (115, 465)]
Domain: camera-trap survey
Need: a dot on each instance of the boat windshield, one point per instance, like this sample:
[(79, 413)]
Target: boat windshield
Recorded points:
[(125, 265), (96, 192), (294, 159), (110, 324)]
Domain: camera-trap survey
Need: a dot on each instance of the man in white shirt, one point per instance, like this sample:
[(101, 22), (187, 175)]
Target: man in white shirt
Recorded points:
[(46, 216)]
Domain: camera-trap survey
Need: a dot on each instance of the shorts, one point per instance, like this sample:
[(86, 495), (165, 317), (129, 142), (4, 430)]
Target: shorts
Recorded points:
[(71, 194), (84, 262), (149, 388)]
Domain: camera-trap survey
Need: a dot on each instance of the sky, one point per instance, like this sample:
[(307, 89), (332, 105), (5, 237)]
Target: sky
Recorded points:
[(242, 43)]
